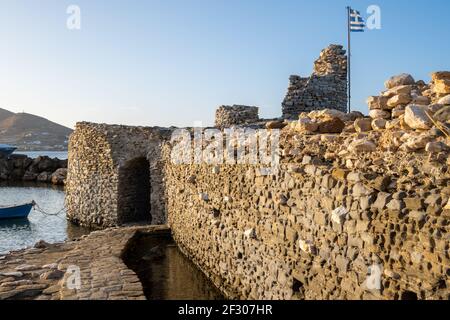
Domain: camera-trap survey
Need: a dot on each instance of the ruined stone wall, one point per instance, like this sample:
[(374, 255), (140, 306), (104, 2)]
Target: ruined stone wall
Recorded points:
[(101, 188), (353, 196), (316, 230), (325, 88), (227, 116)]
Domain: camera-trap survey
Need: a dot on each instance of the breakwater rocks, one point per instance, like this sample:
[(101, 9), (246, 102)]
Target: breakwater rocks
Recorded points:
[(40, 169), (326, 87)]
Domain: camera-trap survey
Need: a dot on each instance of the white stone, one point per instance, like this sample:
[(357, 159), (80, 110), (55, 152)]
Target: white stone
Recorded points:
[(306, 246), (306, 125), (403, 89), (379, 124), (416, 118), (375, 114), (327, 114), (354, 177), (310, 169), (328, 137), (339, 214), (362, 145), (306, 159), (401, 99), (360, 190), (416, 257), (415, 143), (26, 267), (216, 170), (250, 233), (50, 266), (445, 100), (401, 79), (12, 274)]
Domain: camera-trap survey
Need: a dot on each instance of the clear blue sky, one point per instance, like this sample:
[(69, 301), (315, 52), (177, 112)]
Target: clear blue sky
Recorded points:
[(172, 62)]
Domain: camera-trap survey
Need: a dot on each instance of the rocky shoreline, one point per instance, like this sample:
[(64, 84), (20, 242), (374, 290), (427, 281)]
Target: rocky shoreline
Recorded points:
[(41, 169)]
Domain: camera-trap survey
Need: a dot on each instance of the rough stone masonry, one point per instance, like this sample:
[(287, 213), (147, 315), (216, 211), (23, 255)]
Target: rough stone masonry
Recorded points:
[(357, 200), (227, 116), (325, 88), (359, 208), (115, 175)]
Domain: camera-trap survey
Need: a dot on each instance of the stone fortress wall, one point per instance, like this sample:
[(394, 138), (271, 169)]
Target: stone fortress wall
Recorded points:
[(227, 116), (314, 230), (353, 196), (325, 88), (111, 169)]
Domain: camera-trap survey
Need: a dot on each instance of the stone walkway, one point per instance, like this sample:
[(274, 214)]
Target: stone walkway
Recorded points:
[(90, 268)]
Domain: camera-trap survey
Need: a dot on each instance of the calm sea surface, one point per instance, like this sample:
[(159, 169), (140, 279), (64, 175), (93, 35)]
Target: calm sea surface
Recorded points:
[(62, 155), (16, 235)]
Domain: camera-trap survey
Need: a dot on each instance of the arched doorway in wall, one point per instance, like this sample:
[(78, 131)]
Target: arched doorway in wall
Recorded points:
[(134, 192)]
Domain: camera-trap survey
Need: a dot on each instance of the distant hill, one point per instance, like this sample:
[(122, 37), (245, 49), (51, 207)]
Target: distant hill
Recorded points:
[(30, 132)]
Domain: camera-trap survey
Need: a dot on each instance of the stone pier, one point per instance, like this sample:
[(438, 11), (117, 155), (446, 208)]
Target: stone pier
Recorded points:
[(50, 271)]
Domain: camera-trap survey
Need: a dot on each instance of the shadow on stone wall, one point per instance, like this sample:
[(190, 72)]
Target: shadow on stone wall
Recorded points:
[(134, 192)]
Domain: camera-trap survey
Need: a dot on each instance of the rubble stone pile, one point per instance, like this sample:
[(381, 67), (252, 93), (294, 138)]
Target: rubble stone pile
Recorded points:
[(408, 116), (411, 104)]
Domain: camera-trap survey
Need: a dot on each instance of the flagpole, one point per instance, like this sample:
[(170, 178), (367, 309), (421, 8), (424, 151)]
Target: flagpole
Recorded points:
[(348, 62)]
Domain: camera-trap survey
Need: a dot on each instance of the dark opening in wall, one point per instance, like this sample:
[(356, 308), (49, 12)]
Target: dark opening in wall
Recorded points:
[(408, 295), (134, 192), (297, 289)]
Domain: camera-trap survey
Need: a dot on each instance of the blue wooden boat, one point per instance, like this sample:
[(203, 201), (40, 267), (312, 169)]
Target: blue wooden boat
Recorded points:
[(6, 150), (16, 212)]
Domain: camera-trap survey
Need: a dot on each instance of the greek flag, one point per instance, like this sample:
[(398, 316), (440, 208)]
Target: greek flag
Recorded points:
[(356, 21)]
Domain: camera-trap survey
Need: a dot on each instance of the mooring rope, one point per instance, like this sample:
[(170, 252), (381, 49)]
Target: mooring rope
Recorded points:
[(40, 210)]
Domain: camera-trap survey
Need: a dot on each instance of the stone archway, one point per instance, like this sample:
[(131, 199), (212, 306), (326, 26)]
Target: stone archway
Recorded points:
[(134, 192)]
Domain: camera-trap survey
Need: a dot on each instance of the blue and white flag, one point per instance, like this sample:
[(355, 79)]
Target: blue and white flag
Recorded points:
[(356, 21)]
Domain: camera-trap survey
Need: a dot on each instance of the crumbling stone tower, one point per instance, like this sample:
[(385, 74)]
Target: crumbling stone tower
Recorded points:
[(325, 88)]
